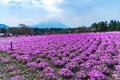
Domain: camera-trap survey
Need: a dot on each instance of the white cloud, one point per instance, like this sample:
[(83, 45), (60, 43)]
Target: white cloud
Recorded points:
[(22, 3), (51, 6), (5, 1), (51, 2), (9, 1), (20, 0)]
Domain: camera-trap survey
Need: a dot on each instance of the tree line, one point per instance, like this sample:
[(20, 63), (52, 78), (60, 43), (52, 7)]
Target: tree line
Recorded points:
[(102, 26)]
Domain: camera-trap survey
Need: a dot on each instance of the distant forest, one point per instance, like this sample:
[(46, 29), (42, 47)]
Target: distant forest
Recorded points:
[(103, 26)]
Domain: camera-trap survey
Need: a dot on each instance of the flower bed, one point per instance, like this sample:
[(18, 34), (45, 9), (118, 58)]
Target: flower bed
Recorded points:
[(87, 56)]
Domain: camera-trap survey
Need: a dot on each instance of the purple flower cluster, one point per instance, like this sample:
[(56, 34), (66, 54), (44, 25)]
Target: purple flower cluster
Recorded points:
[(5, 60), (32, 65), (59, 62), (65, 72), (95, 74), (72, 65), (16, 78), (42, 65), (117, 68), (81, 74), (49, 72)]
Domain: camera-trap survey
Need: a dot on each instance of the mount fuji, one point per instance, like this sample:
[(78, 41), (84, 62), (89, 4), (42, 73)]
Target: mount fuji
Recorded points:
[(4, 26), (50, 23)]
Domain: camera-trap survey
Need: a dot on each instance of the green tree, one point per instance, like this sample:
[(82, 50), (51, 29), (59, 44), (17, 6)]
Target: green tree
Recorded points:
[(3, 30), (112, 25), (118, 26), (94, 27), (102, 26)]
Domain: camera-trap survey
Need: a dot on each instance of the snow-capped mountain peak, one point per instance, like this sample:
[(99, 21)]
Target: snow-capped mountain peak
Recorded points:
[(50, 23)]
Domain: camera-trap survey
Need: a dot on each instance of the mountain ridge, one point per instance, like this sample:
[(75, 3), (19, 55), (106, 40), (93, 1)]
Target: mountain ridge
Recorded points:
[(4, 26), (50, 23)]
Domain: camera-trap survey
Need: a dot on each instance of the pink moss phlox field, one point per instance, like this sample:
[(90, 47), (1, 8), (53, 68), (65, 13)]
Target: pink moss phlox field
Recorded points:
[(87, 56)]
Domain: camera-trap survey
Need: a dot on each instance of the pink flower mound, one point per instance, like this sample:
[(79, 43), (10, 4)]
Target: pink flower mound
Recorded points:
[(5, 60), (43, 65), (16, 78), (117, 68), (59, 62), (72, 65), (49, 72), (95, 74), (65, 72)]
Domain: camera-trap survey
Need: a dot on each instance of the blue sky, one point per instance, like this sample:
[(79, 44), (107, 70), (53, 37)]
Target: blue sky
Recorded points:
[(71, 12)]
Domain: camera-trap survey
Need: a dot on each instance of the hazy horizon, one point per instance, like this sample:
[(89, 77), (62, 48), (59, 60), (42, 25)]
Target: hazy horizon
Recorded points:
[(70, 12)]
